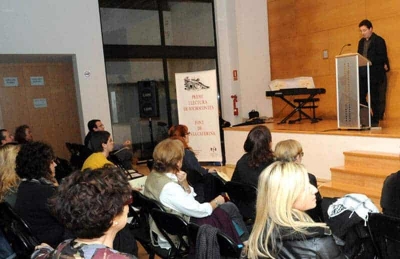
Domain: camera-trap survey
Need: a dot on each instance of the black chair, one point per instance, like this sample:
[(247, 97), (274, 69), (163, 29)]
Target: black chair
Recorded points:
[(130, 173), (385, 234), (63, 168), (174, 229), (17, 232), (79, 153), (140, 225), (228, 247), (214, 185), (244, 196)]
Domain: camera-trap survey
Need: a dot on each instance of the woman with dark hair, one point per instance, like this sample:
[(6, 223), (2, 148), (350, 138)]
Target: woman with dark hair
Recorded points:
[(257, 157), (23, 134), (94, 206), (36, 167), (196, 174), (101, 144)]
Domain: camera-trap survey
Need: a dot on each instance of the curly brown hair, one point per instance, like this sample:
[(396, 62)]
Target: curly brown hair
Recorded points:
[(87, 202), (34, 159)]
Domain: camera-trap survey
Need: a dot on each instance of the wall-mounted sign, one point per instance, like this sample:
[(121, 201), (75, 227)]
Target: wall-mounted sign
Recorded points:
[(40, 103), (37, 80), (10, 81)]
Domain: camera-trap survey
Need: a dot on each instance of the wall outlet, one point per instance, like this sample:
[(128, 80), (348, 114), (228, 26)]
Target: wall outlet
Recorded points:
[(325, 54)]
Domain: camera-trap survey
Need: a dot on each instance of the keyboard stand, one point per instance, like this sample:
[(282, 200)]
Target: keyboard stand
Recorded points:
[(312, 106), (298, 108)]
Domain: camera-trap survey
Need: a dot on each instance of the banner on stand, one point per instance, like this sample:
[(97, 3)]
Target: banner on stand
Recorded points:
[(198, 110)]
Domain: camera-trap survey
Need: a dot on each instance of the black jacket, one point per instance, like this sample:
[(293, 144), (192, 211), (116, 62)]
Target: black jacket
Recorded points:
[(245, 174), (319, 243), (377, 54)]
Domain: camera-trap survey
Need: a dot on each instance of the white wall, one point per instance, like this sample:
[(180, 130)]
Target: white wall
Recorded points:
[(321, 151), (61, 27), (254, 60), (243, 45)]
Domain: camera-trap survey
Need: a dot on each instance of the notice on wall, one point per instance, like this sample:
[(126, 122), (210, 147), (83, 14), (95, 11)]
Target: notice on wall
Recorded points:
[(40, 103), (10, 81), (37, 80), (198, 110)]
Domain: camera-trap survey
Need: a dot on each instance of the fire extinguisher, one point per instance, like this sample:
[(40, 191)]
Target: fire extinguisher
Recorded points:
[(235, 109)]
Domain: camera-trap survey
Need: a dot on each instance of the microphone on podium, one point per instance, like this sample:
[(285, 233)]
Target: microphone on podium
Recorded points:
[(345, 45)]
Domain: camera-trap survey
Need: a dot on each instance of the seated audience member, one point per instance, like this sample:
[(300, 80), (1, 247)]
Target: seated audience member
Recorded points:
[(9, 179), (94, 207), (257, 157), (290, 150), (197, 175), (23, 134), (167, 184), (36, 167), (5, 137), (122, 151), (102, 144), (390, 198), (282, 229)]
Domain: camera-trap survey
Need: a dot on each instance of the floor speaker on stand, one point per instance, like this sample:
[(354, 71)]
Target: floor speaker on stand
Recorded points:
[(148, 99)]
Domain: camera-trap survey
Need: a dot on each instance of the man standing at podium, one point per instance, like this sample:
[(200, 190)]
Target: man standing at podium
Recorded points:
[(373, 47)]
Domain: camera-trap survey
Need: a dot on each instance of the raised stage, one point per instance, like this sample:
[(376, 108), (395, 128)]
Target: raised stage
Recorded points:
[(323, 143)]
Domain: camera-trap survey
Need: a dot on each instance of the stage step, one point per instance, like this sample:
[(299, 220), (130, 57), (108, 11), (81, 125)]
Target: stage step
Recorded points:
[(332, 189), (363, 172), (383, 162)]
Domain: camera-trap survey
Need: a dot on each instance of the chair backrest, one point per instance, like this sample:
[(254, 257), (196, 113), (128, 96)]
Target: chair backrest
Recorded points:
[(385, 234), (244, 196), (145, 203), (227, 247), (144, 206), (214, 185), (79, 153), (17, 232), (140, 223), (173, 228)]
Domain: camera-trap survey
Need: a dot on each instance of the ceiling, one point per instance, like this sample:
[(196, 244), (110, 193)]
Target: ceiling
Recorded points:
[(142, 4)]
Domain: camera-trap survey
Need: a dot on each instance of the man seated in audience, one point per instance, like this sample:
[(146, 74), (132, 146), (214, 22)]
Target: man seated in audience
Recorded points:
[(5, 137), (122, 151), (390, 198), (102, 144), (23, 134)]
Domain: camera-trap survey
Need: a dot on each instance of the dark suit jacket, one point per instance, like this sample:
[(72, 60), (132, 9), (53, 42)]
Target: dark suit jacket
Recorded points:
[(377, 54)]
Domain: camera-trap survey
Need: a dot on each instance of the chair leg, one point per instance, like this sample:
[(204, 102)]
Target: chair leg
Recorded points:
[(313, 104)]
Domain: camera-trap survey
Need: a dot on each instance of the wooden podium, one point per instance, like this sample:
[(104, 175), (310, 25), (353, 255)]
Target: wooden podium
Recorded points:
[(350, 113)]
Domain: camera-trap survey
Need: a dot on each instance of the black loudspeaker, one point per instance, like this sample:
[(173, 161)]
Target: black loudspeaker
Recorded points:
[(148, 99)]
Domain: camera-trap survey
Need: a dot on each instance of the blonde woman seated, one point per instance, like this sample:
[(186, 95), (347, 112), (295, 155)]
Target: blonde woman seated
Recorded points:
[(291, 150), (168, 184), (282, 229), (9, 180)]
